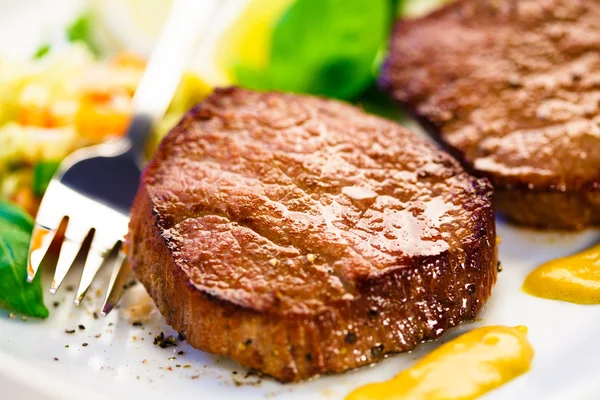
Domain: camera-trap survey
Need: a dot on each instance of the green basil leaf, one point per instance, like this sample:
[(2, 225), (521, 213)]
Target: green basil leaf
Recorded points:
[(15, 293), (42, 174), (375, 102), (325, 47), (13, 215)]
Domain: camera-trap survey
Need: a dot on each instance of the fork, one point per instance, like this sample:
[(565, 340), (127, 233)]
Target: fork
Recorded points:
[(84, 215)]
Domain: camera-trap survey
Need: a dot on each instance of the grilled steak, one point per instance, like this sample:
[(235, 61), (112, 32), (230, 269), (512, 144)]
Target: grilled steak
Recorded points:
[(513, 87), (301, 236)]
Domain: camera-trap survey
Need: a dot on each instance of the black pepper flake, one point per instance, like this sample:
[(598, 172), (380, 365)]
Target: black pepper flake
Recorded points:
[(499, 266), (70, 288), (308, 357), (377, 350), (55, 358), (350, 338), (110, 324), (248, 342), (163, 342), (234, 372), (373, 313), (180, 353), (471, 289), (95, 315), (137, 323), (181, 336), (55, 304), (70, 331), (85, 345), (81, 327), (159, 338)]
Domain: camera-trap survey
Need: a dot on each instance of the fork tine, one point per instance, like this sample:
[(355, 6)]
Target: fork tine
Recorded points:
[(67, 261), (41, 243), (117, 281), (91, 268)]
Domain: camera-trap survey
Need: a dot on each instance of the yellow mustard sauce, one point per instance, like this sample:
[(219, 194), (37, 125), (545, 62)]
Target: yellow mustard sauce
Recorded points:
[(575, 278), (464, 368)]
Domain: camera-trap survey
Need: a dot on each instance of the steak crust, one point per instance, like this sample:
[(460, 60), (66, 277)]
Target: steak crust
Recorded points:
[(512, 87), (301, 236)]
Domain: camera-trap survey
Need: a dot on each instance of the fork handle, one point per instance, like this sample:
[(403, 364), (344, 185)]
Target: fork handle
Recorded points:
[(186, 21)]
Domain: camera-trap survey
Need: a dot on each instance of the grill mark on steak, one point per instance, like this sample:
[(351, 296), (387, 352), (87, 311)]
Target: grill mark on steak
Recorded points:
[(512, 88), (393, 223)]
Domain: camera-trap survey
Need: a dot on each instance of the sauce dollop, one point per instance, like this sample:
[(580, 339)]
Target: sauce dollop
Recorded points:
[(464, 368), (575, 278)]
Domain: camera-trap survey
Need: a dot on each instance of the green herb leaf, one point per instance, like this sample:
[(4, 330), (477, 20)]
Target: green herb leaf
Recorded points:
[(79, 31), (325, 47), (15, 293), (42, 174), (42, 51)]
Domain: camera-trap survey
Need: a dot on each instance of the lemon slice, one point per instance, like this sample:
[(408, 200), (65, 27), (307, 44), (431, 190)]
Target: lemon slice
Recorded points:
[(248, 39)]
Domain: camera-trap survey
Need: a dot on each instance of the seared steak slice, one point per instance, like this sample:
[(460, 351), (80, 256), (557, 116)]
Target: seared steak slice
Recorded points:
[(514, 88), (301, 236)]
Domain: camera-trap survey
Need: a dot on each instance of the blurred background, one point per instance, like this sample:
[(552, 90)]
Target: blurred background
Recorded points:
[(68, 69)]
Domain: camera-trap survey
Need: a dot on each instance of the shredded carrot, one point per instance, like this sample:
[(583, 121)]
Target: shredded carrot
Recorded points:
[(34, 116), (128, 59), (98, 121)]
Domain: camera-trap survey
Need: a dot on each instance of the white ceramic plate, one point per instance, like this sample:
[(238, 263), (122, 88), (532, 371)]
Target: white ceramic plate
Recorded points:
[(112, 366)]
